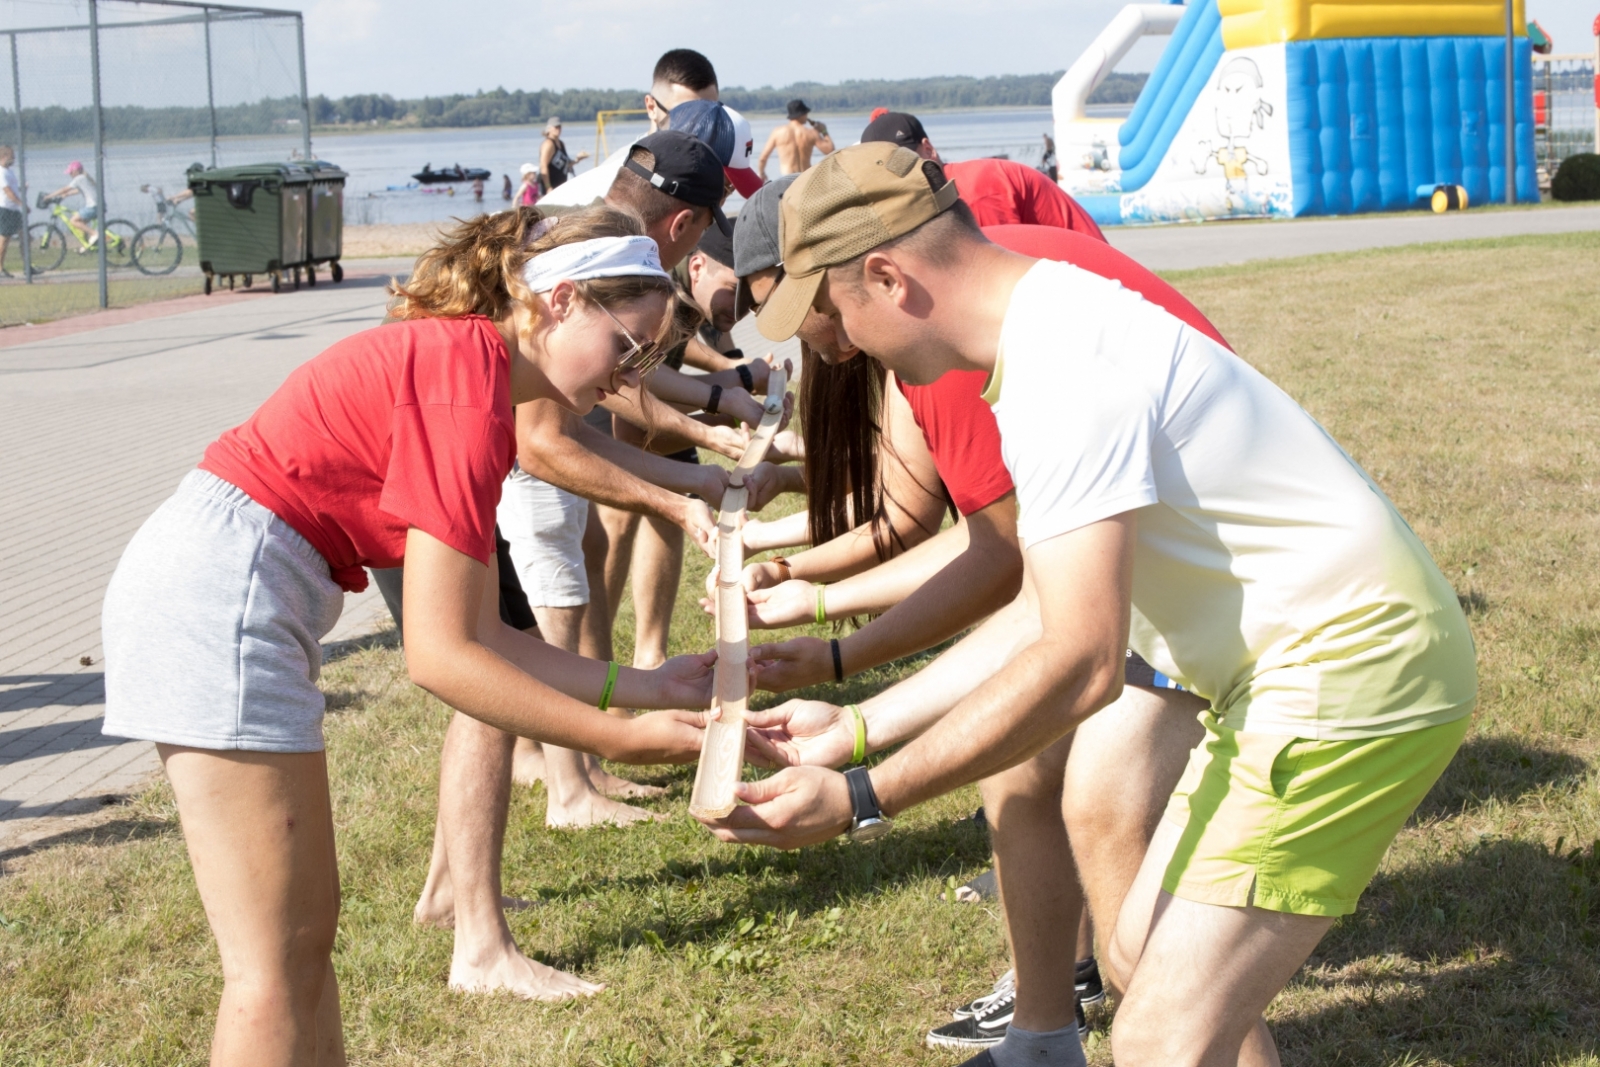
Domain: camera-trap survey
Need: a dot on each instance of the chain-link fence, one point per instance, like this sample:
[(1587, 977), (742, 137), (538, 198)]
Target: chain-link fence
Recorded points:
[(104, 104), (1566, 109)]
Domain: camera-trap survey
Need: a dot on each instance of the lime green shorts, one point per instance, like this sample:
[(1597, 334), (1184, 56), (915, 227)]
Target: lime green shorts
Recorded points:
[(1293, 825)]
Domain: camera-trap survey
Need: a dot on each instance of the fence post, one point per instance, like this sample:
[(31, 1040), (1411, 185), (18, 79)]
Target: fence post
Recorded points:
[(22, 165), (211, 96), (305, 98), (99, 146), (1511, 101)]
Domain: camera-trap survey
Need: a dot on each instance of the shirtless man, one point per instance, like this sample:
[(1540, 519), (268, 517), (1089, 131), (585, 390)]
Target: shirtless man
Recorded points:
[(794, 141)]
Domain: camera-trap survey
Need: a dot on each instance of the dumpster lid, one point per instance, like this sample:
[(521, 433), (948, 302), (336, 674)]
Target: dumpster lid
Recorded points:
[(289, 173), (321, 171)]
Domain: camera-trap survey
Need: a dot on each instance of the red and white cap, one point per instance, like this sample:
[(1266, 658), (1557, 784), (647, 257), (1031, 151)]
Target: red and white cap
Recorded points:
[(741, 169)]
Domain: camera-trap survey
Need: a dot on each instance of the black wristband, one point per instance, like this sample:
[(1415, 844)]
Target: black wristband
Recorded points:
[(733, 354), (838, 663), (715, 401), (746, 378)]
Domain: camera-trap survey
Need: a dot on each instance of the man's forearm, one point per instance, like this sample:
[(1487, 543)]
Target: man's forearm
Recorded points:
[(559, 448)]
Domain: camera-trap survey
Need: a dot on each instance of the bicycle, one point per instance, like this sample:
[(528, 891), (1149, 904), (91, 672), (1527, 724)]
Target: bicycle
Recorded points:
[(49, 239), (158, 248)]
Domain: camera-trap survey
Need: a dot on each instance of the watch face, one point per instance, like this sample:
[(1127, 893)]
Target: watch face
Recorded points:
[(871, 830)]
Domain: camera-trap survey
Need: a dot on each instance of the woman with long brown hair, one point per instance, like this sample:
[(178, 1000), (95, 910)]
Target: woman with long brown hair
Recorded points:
[(391, 445)]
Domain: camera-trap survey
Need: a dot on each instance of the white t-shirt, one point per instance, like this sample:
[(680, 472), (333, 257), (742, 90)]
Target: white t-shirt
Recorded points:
[(8, 178), (85, 185), (1271, 575)]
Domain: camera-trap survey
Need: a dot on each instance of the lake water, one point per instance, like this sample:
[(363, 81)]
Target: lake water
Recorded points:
[(381, 163)]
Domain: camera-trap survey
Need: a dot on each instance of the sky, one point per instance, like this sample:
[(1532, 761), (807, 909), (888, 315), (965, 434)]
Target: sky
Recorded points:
[(412, 48)]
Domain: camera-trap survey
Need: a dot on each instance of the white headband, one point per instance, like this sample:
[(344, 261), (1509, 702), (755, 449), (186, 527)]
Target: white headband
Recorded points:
[(601, 257)]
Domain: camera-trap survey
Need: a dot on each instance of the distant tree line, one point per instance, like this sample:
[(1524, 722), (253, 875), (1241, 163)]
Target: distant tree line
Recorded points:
[(502, 107)]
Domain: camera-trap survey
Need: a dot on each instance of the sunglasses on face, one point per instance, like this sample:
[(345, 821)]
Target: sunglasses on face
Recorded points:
[(642, 356)]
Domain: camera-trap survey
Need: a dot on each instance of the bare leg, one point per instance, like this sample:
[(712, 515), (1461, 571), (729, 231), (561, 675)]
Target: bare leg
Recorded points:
[(1125, 762), (259, 828), (1038, 884), (658, 568), (621, 527), (1085, 935), (1202, 974), (595, 630), (474, 792)]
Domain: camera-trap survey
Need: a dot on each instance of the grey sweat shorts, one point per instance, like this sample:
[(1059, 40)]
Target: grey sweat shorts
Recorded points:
[(212, 626)]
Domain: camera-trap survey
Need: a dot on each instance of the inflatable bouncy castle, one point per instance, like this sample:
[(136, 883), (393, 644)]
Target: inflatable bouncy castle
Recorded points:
[(1300, 107)]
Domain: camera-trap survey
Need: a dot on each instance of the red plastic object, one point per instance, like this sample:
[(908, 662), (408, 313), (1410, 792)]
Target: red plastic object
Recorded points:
[(1541, 110)]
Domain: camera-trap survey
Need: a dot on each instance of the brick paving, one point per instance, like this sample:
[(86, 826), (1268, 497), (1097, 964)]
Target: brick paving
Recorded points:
[(99, 420)]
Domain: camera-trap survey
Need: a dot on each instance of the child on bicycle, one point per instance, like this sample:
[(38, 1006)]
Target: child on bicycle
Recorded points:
[(81, 185)]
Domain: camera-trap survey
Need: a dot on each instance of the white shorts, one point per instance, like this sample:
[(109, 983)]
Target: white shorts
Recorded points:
[(544, 526), (212, 626)]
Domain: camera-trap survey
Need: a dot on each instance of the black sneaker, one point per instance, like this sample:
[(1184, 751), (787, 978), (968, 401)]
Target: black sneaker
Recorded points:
[(1091, 990), (1006, 984), (1081, 1019), (984, 1030)]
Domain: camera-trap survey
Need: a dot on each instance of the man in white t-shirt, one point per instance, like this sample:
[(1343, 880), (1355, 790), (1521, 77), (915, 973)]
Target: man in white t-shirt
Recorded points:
[(11, 204), (1174, 501)]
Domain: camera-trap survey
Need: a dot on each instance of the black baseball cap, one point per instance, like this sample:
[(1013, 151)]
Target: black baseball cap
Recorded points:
[(896, 127), (686, 169), (718, 245), (798, 109)]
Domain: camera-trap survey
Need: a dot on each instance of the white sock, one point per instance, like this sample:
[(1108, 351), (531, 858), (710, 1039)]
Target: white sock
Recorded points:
[(1024, 1048)]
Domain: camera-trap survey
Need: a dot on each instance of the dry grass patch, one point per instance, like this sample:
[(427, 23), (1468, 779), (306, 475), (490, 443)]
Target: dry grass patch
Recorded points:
[(1463, 376)]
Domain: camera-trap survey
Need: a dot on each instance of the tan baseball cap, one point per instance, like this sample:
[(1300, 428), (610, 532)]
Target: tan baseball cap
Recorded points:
[(850, 203)]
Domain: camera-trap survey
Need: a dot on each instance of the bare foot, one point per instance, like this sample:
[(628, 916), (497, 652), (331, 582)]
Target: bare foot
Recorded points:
[(613, 786), (592, 809), (440, 914), (516, 974), (527, 762)]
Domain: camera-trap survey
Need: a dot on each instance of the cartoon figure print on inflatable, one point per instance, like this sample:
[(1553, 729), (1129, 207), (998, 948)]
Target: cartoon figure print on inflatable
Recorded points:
[(1299, 107)]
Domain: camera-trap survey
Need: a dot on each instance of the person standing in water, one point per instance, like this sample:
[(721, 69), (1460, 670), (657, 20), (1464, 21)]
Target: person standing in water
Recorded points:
[(795, 140), (528, 191), (556, 164), (505, 189)]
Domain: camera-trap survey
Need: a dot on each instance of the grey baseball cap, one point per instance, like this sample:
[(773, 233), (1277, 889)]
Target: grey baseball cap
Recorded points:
[(755, 239)]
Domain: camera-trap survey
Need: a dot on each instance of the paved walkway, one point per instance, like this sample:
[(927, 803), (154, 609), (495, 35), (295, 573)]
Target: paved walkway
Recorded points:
[(1212, 244), (97, 425)]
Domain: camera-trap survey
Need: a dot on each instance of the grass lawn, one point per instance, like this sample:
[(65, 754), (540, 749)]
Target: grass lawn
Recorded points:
[(1463, 377), (58, 295)]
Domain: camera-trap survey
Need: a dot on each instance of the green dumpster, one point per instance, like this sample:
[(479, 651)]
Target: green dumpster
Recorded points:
[(257, 219), (325, 231)]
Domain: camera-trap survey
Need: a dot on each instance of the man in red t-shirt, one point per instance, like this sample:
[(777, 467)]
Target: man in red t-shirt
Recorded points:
[(949, 582), (999, 191)]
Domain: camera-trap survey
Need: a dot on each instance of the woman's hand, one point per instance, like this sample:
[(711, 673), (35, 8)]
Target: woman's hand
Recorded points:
[(792, 664), (661, 737), (729, 440), (790, 603), (763, 483), (740, 406), (764, 575), (787, 447), (685, 681), (801, 732)]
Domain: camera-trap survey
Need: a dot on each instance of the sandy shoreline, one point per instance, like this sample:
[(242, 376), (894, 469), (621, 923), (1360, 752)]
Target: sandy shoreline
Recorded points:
[(385, 240)]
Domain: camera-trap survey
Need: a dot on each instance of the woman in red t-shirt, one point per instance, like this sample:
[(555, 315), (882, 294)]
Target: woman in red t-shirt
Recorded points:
[(391, 445)]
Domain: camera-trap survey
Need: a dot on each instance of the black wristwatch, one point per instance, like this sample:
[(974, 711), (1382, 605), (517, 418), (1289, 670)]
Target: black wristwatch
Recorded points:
[(868, 822), (715, 401)]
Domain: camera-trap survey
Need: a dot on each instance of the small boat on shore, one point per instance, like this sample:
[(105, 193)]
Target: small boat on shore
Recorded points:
[(428, 176)]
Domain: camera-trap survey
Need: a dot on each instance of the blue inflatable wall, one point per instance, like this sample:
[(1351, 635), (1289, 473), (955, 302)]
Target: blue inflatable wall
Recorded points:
[(1371, 119)]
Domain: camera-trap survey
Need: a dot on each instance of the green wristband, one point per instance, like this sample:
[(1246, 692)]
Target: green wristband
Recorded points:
[(822, 611), (611, 683), (860, 752)]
